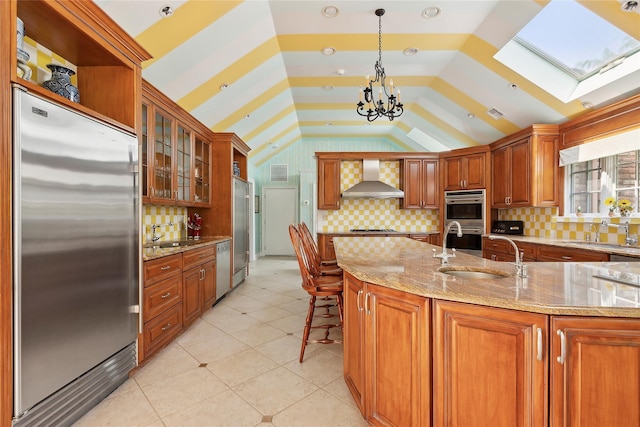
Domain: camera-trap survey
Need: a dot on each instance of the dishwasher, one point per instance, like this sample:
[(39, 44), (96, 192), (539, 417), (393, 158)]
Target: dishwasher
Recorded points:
[(223, 268)]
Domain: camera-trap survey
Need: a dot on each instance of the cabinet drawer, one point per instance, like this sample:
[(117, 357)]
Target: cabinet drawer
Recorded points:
[(161, 268), (553, 253), (497, 246), (198, 256), (162, 295), (161, 330)]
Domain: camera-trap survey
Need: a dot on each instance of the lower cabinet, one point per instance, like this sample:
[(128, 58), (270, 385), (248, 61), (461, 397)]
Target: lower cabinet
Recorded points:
[(489, 366), (177, 290), (162, 303), (386, 339), (500, 250), (595, 372)]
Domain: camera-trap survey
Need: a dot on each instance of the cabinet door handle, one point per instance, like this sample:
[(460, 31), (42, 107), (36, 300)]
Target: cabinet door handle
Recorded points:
[(360, 292), (563, 347), (539, 343), (151, 193), (165, 268), (202, 255), (493, 257), (167, 295), (366, 303), (566, 257), (167, 326)]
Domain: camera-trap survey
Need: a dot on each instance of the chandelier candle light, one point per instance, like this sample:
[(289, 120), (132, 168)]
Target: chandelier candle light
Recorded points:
[(377, 108)]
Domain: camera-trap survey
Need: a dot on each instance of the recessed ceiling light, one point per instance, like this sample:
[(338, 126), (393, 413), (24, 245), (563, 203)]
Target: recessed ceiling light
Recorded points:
[(629, 5), (166, 11), (340, 71), (330, 11), (327, 87), (587, 104), (410, 51), (246, 116), (328, 124), (513, 86), (223, 86), (431, 12), (328, 51), (471, 116)]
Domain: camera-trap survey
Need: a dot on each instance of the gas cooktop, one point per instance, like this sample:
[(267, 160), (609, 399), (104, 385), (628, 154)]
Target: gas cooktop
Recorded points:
[(372, 230)]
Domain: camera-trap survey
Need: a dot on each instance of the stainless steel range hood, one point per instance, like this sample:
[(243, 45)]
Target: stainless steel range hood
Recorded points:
[(371, 187)]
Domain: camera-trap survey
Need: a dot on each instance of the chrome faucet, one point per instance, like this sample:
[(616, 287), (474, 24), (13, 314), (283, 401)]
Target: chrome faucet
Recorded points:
[(154, 227), (444, 256), (628, 240), (597, 227), (521, 269)]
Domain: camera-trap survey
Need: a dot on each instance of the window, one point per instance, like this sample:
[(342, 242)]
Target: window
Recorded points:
[(591, 182), (571, 52), (574, 39)]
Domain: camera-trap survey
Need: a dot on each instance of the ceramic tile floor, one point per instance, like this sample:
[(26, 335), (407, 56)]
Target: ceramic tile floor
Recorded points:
[(238, 366)]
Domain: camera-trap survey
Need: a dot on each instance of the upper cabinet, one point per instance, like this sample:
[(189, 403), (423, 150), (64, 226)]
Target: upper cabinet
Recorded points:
[(524, 168), (420, 183), (328, 184), (226, 149), (465, 169), (108, 60), (176, 158)]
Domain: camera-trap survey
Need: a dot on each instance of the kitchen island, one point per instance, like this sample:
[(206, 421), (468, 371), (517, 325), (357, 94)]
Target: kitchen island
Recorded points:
[(423, 347)]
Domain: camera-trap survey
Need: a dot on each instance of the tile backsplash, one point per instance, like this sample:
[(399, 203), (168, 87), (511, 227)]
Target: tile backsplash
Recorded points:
[(544, 222), (39, 57), (164, 215), (375, 213)]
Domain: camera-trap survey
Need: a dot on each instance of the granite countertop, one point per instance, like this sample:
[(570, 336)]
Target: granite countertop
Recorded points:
[(164, 248), (603, 247), (373, 233), (550, 288)]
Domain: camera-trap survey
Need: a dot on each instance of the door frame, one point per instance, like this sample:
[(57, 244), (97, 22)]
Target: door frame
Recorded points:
[(296, 214)]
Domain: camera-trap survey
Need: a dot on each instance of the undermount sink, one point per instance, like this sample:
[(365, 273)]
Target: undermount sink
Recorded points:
[(175, 244), (596, 244), (472, 272)]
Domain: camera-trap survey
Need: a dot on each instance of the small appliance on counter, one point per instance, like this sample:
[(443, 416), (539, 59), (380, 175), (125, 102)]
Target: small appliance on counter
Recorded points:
[(508, 227)]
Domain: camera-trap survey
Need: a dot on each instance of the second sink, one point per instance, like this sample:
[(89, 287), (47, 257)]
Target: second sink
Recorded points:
[(472, 272)]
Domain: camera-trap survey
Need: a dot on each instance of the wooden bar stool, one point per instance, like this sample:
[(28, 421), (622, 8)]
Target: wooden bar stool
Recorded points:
[(325, 292)]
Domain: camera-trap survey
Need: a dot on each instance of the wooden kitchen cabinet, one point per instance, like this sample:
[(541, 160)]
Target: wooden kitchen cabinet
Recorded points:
[(198, 282), (465, 169), (595, 366), (524, 168), (501, 250), (162, 304), (557, 253), (325, 246), (176, 153), (431, 238), (480, 384), (328, 184), (420, 183), (353, 332), (386, 340)]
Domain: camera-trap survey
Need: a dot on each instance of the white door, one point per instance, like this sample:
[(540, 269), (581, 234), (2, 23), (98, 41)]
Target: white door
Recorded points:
[(279, 210)]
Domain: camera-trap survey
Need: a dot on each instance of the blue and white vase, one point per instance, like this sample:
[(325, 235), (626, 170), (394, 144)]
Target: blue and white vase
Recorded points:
[(60, 82), (236, 169)]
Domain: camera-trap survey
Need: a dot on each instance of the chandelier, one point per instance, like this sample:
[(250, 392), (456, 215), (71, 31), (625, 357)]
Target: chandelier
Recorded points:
[(375, 108)]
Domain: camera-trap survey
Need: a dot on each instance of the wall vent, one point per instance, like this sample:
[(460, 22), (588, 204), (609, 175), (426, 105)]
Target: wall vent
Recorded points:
[(279, 173), (495, 113)]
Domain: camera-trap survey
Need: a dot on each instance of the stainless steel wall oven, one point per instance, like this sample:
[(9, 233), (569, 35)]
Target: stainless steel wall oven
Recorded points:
[(468, 208)]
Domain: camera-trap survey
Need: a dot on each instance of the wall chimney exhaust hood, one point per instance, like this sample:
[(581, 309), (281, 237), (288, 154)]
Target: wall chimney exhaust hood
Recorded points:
[(371, 187)]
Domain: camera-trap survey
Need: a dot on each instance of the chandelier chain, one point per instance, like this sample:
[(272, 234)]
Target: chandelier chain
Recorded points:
[(392, 107)]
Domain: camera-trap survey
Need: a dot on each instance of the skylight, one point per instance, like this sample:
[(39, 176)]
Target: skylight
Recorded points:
[(575, 39), (573, 53)]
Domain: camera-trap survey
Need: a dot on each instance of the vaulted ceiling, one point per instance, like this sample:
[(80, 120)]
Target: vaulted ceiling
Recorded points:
[(257, 68)]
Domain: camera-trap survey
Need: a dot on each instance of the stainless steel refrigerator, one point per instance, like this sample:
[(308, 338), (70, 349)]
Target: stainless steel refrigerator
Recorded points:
[(76, 259), (240, 230)]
